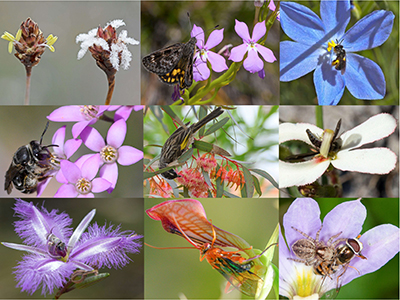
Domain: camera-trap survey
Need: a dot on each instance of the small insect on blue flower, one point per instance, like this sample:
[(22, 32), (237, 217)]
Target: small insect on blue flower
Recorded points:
[(324, 45)]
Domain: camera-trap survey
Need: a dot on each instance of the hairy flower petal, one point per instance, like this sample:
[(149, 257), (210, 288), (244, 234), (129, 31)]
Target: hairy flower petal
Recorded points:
[(81, 228), (36, 223), (109, 245)]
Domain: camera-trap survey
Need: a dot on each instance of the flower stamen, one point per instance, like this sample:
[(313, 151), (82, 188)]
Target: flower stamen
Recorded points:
[(109, 154), (83, 186)]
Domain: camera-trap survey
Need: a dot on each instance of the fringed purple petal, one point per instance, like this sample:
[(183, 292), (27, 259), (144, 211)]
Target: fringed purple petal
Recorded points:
[(106, 246), (35, 272), (36, 223)]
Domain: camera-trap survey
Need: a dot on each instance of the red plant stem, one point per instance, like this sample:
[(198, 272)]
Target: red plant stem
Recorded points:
[(111, 84)]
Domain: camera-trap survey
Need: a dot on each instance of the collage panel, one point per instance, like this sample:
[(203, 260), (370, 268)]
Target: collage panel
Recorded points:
[(211, 152), (72, 151), (339, 52), (68, 47), (45, 242), (226, 232), (339, 152), (339, 248), (228, 56)]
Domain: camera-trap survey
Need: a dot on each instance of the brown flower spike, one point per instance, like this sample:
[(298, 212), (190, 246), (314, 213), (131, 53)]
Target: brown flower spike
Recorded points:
[(29, 45)]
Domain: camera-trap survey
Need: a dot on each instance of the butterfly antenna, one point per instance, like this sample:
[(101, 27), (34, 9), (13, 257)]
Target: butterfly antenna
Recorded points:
[(190, 23)]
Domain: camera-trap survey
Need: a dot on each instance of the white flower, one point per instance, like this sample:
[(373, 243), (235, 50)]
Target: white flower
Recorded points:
[(116, 48), (376, 160)]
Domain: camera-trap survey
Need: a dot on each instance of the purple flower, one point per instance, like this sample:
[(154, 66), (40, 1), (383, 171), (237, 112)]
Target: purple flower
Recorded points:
[(200, 69), (111, 151), (80, 182), (380, 244), (85, 115), (253, 62), (124, 111), (56, 254)]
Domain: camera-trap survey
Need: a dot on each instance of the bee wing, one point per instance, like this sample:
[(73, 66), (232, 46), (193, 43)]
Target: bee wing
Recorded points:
[(164, 60), (12, 171)]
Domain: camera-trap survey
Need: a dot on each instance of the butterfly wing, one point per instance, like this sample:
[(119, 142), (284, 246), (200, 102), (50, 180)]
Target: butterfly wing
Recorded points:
[(165, 60)]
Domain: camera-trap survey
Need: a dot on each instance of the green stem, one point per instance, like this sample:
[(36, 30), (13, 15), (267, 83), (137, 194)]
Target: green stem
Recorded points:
[(319, 118)]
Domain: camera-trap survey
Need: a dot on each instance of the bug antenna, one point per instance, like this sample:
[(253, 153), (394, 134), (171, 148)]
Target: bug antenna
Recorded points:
[(44, 131), (190, 23)]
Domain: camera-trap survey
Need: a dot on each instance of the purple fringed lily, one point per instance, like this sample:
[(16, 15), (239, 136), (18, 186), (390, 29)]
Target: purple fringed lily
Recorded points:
[(111, 151), (314, 41), (200, 69), (80, 181), (56, 255), (84, 115), (253, 62), (380, 244)]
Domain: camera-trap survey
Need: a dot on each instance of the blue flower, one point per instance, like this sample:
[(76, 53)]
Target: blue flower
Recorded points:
[(313, 48)]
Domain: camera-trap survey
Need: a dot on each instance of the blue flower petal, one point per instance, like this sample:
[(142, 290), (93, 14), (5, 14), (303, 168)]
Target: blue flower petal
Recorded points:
[(370, 32), (364, 78), (329, 84), (297, 60), (335, 15), (300, 23)]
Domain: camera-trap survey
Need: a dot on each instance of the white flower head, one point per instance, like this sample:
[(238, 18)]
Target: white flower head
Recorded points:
[(378, 160), (115, 49)]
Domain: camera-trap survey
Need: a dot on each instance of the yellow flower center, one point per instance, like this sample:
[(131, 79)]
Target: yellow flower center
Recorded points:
[(109, 154)]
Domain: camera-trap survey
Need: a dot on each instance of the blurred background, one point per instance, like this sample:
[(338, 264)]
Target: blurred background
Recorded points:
[(383, 283), (354, 184), (21, 124), (60, 78), (126, 282), (302, 91), (258, 145), (178, 273), (166, 22)]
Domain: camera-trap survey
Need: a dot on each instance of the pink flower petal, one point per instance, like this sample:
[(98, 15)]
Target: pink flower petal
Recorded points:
[(67, 191), (116, 134), (42, 185), (124, 112), (92, 139), (100, 185), (70, 113), (71, 172), (198, 33), (201, 71), (78, 127), (91, 166), (71, 146), (109, 172), (242, 30), (253, 63), (128, 155), (258, 31), (217, 61), (266, 53), (214, 39), (88, 195), (238, 52), (58, 139)]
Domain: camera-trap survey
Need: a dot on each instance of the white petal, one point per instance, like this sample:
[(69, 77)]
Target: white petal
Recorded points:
[(373, 161), (297, 131), (375, 128), (296, 174), (115, 23)]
